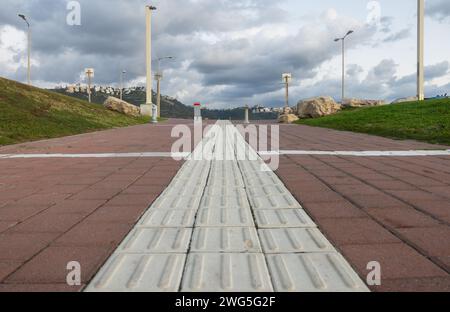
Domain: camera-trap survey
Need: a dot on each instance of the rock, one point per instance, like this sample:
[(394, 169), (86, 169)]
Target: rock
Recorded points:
[(406, 99), (362, 103), (317, 107), (287, 118), (122, 107)]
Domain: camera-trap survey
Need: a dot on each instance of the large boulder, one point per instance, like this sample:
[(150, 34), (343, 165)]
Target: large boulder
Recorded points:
[(317, 107), (122, 107), (406, 99), (362, 103), (287, 118)]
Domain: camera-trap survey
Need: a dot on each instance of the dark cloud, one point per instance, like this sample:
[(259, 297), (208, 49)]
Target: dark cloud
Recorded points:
[(438, 9), (397, 36)]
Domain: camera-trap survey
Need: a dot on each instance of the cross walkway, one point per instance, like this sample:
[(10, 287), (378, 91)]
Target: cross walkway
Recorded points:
[(226, 225)]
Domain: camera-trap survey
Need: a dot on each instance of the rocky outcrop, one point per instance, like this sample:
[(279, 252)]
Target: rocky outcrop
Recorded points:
[(406, 99), (287, 118), (122, 107), (317, 107), (362, 103)]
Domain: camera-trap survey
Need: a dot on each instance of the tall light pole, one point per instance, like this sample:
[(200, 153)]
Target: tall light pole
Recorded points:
[(287, 78), (121, 83), (148, 109), (89, 74), (29, 48), (343, 61), (158, 77), (420, 49)]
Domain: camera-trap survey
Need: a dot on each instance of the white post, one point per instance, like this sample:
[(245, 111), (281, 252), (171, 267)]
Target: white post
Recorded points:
[(121, 85), (147, 108), (246, 115), (343, 71), (158, 94), (287, 92), (420, 49), (89, 87), (29, 56)]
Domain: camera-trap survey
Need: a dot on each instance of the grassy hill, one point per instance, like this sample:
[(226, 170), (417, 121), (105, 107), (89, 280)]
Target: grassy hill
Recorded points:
[(29, 113), (427, 121)]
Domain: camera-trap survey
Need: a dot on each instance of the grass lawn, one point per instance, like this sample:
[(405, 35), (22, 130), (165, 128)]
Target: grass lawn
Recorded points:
[(427, 121), (28, 114)]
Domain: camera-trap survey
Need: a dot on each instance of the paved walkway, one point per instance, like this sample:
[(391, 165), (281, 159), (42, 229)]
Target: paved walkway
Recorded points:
[(226, 225), (395, 210)]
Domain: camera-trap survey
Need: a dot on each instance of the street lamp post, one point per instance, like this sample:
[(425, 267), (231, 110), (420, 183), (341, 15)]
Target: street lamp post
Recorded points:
[(89, 74), (29, 49), (159, 77), (343, 62), (121, 84), (287, 78), (147, 109), (420, 49)]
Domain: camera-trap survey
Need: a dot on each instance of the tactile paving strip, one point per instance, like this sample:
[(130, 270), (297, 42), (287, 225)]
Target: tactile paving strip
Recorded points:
[(226, 225), (226, 272), (283, 218), (225, 239), (168, 218), (312, 272), (157, 240), (294, 240), (140, 273)]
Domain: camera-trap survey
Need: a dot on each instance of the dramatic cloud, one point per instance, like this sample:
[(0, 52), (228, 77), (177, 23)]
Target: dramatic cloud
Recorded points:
[(228, 53), (439, 9)]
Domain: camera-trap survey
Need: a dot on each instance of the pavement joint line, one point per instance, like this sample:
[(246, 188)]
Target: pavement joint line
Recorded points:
[(232, 258)]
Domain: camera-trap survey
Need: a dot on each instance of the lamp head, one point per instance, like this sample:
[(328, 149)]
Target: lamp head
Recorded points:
[(350, 32), (337, 39), (151, 7)]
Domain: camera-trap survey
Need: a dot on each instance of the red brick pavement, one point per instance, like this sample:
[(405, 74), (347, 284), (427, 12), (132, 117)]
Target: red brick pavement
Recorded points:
[(394, 210), (53, 211)]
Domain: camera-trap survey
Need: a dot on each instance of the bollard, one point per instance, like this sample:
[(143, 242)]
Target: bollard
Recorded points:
[(154, 113), (197, 112)]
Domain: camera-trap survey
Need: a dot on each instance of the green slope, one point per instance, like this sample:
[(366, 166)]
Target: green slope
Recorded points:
[(28, 113), (427, 121)]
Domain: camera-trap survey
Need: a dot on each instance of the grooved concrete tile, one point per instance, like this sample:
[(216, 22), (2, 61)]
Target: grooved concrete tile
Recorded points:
[(261, 179), (268, 190), (224, 218), (239, 200), (226, 273), (274, 202), (184, 188), (177, 202), (140, 273), (168, 218), (294, 240), (223, 190), (313, 272), (157, 240), (225, 239), (283, 218)]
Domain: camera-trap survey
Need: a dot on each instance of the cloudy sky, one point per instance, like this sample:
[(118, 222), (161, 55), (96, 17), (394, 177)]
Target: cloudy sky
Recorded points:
[(230, 53)]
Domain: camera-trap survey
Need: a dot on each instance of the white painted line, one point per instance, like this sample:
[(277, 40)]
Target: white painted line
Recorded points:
[(99, 155), (411, 153)]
